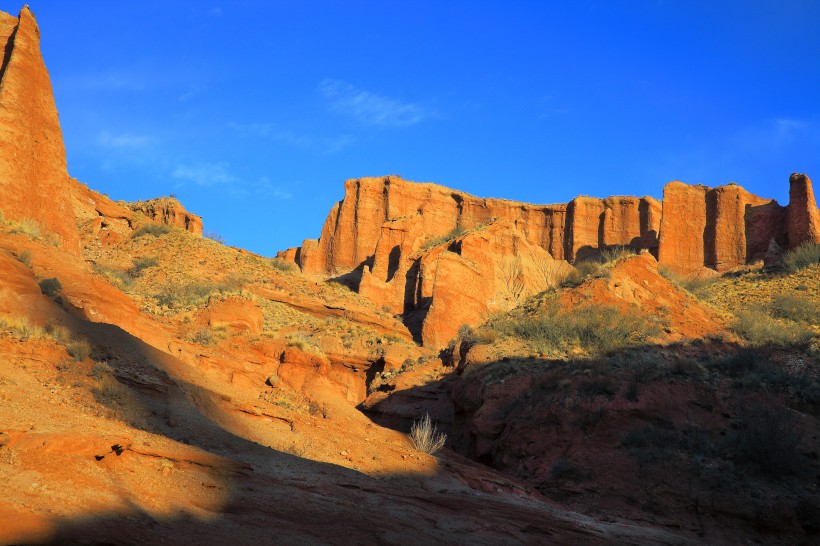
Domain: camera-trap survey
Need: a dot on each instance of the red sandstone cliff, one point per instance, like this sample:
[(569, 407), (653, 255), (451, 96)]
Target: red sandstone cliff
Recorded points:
[(443, 258), (168, 210), (33, 174)]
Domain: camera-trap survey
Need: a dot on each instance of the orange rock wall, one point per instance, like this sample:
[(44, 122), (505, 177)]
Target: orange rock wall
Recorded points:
[(721, 228), (168, 210), (33, 173), (352, 230), (803, 219)]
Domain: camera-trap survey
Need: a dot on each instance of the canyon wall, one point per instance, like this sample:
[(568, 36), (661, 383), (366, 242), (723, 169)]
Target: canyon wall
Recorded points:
[(33, 173), (443, 258)]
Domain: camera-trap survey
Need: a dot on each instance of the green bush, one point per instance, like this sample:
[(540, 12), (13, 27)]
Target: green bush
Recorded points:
[(805, 255), (152, 228), (50, 287)]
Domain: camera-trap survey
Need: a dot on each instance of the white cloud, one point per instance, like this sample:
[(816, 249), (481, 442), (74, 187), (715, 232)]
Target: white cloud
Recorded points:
[(369, 108), (206, 174), (124, 141)]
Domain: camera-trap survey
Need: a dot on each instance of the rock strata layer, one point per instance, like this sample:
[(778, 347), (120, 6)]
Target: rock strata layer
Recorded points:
[(442, 258)]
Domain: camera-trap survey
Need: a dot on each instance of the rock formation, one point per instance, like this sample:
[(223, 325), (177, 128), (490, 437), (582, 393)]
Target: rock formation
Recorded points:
[(33, 173), (168, 210), (443, 258), (802, 218)]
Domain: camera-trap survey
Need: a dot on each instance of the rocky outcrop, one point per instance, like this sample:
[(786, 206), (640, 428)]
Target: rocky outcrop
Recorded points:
[(352, 230), (33, 174), (168, 210), (803, 219), (442, 258), (716, 228)]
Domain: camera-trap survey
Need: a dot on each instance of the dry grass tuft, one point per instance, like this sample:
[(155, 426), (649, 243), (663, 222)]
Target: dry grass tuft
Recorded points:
[(425, 437)]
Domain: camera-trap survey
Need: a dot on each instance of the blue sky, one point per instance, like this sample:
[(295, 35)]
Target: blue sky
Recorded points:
[(255, 112)]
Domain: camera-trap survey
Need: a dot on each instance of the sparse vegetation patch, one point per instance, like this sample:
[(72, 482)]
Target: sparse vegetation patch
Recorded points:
[(806, 255), (596, 328), (425, 437)]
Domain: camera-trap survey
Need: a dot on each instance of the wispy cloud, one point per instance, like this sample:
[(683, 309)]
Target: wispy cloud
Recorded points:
[(215, 12), (369, 108), (124, 141), (772, 134), (112, 80), (326, 145), (206, 174), (219, 175), (269, 130)]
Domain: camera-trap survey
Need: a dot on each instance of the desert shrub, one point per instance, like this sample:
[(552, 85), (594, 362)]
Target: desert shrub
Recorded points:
[(207, 336), (595, 327), (615, 254), (751, 369), (697, 285), (580, 272), (588, 418), (563, 469), (596, 386), (805, 255), (116, 276), (436, 241), (760, 329), (213, 236), (195, 293), (79, 349), (652, 443), (58, 332), (283, 265), (25, 258), (425, 437), (141, 264), (25, 226), (766, 439), (50, 287), (796, 309), (152, 228), (20, 327)]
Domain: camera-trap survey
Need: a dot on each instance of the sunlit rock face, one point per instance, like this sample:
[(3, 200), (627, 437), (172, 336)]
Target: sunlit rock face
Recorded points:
[(33, 175)]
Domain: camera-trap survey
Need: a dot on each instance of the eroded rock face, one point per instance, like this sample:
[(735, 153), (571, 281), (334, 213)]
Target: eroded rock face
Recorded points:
[(716, 228), (33, 173), (169, 211), (351, 232), (803, 219), (388, 237)]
